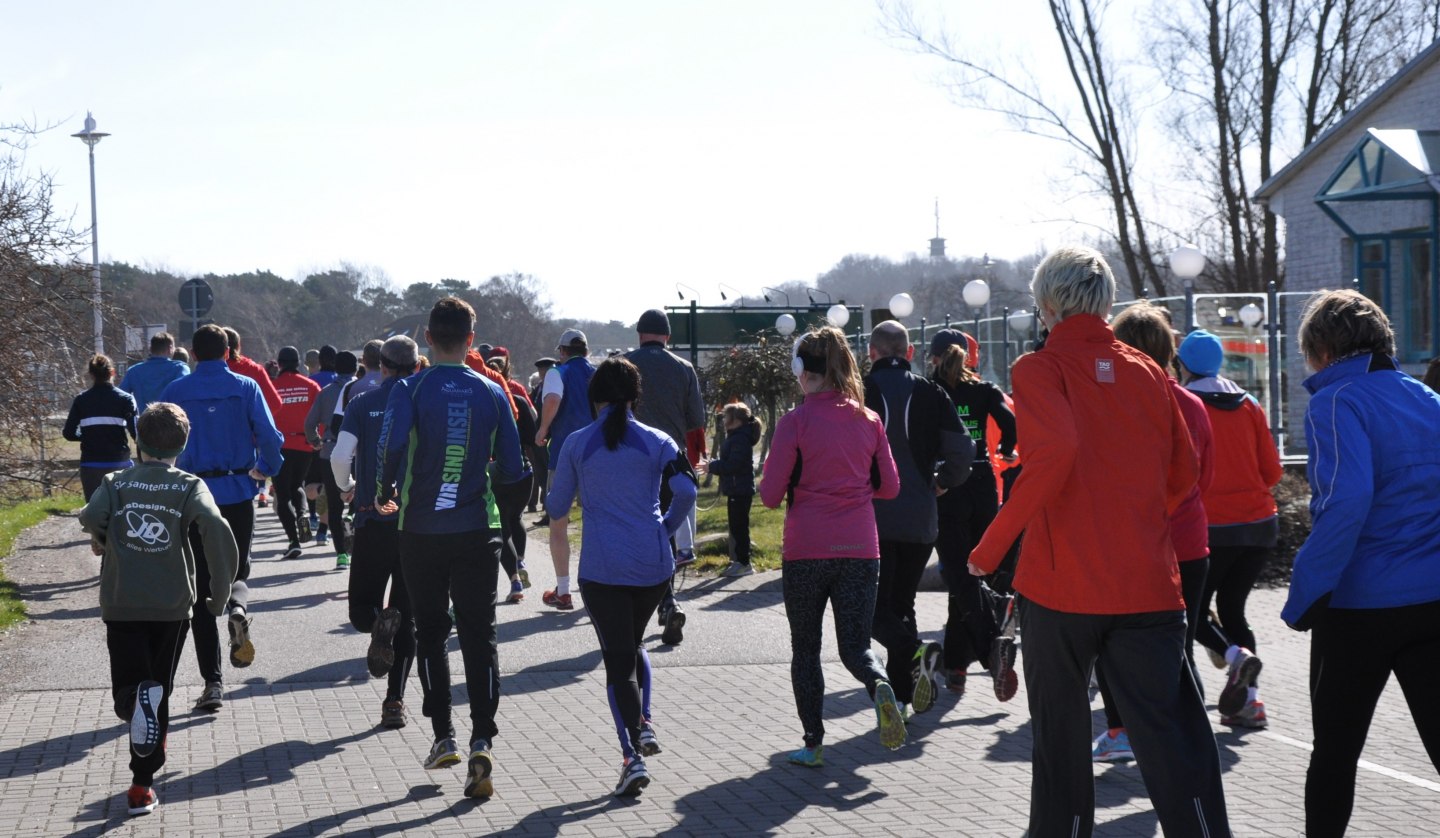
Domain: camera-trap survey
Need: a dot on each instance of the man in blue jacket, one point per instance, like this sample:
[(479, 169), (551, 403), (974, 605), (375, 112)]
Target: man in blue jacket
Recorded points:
[(149, 378), (440, 430), (233, 443), (565, 408)]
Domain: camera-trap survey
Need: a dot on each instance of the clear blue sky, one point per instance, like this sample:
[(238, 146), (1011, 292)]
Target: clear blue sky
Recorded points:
[(610, 149)]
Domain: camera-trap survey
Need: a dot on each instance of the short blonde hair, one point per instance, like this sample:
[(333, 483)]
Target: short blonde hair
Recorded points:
[(1338, 324), (1074, 280)]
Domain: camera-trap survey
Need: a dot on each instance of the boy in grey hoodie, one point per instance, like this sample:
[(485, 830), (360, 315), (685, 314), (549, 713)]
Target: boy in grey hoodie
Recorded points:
[(138, 522)]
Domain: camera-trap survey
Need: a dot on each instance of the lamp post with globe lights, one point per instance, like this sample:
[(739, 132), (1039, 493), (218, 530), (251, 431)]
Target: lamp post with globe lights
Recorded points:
[(977, 296), (785, 325), (90, 137), (1187, 262)]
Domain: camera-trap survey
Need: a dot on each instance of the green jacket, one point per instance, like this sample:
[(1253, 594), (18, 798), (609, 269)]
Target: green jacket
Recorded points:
[(142, 516)]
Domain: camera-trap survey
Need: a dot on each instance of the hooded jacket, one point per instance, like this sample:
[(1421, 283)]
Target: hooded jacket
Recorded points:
[(1238, 502), (736, 466), (231, 430)]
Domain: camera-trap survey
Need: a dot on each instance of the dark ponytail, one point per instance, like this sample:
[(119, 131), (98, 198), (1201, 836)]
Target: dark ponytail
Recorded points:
[(617, 383)]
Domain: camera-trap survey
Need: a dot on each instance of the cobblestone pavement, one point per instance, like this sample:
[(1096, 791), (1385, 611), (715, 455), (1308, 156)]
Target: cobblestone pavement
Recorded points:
[(296, 750)]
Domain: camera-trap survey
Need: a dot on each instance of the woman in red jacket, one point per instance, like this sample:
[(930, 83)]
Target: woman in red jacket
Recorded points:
[(830, 458), (296, 394), (1107, 460), (1243, 523)]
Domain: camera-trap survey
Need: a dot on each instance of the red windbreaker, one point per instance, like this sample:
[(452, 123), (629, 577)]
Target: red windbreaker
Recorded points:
[(296, 393)]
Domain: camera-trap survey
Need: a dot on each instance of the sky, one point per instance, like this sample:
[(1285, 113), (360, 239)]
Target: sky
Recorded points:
[(612, 150)]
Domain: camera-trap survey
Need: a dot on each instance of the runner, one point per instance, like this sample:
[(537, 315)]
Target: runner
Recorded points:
[(320, 431), (564, 410), (99, 419), (297, 394), (829, 459), (445, 420), (149, 378), (376, 542), (241, 365), (539, 455), (617, 465), (510, 498), (326, 374)]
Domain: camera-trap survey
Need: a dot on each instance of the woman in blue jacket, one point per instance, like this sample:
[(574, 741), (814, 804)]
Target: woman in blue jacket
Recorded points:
[(102, 420), (1367, 580), (616, 465)]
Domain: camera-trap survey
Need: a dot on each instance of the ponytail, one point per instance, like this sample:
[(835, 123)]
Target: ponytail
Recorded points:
[(841, 372), (613, 428), (952, 368)]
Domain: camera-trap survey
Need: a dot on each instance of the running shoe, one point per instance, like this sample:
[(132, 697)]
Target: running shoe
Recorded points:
[(212, 697), (302, 528), (905, 714), (1109, 748), (242, 649), (443, 754), (684, 558), (563, 602), (477, 777), (887, 716), (922, 671), (141, 800), (145, 720), (955, 682), (262, 500), (808, 756), (649, 742), (381, 655), (392, 714), (674, 632), (1251, 716), (523, 574), (1243, 673), (633, 778), (517, 591), (322, 538), (738, 569), (293, 551), (342, 561)]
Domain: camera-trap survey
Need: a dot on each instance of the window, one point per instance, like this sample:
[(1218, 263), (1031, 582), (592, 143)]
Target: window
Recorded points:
[(1373, 268), (1419, 300)]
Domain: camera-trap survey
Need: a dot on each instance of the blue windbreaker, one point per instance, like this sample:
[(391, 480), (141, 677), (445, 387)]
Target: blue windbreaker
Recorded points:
[(149, 378), (625, 540), (574, 412), (1374, 488), (445, 422), (231, 430)]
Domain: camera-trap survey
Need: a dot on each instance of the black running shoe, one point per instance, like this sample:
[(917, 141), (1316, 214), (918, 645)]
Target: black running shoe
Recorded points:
[(382, 642), (674, 631)]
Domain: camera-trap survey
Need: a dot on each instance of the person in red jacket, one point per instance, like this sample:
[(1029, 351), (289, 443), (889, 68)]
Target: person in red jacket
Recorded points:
[(297, 393), (1244, 524), (1107, 461), (240, 365)]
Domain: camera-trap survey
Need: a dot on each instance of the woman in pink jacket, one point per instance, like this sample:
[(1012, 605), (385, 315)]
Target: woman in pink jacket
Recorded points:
[(830, 458)]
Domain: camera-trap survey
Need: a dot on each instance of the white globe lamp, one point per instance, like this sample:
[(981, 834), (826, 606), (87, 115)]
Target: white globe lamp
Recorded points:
[(838, 315), (976, 293), (1187, 261), (1021, 320), (785, 325), (1251, 315), (901, 305)]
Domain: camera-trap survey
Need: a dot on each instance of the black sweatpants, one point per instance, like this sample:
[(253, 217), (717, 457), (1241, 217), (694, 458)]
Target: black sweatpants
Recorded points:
[(144, 651), (241, 518), (334, 510), (848, 586), (1232, 576), (1192, 582), (1352, 653), (510, 498), (901, 566), (965, 513), (375, 563), (91, 478), (620, 615), (1174, 746), (458, 568), (737, 516), (290, 490)]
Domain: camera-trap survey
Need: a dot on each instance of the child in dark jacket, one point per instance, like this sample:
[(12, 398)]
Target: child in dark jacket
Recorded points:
[(736, 469)]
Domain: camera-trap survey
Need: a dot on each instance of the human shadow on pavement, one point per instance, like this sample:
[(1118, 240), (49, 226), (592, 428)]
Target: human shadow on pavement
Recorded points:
[(275, 579), (56, 752), (296, 603), (265, 766), (48, 591), (742, 599), (61, 545), (549, 820), (336, 820)]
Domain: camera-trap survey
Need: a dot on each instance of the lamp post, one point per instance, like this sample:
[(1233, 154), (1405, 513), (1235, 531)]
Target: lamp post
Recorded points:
[(1186, 262), (902, 305), (90, 137), (977, 295), (811, 292), (741, 296), (1019, 322), (777, 291), (785, 325)]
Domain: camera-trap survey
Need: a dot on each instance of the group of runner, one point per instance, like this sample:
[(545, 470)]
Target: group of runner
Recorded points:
[(434, 460)]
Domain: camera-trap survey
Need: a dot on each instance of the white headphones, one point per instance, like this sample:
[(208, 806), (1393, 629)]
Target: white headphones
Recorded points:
[(797, 366)]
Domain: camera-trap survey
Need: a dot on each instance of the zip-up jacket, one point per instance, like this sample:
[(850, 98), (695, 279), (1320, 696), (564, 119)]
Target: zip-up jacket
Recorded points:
[(297, 395), (1238, 503), (320, 425), (240, 365), (230, 431), (1189, 527), (142, 516), (149, 378), (930, 447), (574, 412), (736, 466), (356, 451), (100, 419), (830, 455), (447, 421), (670, 399), (1107, 460), (625, 540), (1374, 488)]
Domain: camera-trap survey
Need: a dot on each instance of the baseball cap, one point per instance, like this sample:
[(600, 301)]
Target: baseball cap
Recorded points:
[(572, 338)]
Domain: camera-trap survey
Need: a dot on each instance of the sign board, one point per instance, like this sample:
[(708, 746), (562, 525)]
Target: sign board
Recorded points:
[(137, 338), (196, 298)]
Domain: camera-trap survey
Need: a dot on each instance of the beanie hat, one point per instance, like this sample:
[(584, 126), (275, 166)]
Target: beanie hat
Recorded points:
[(346, 363), (653, 322), (1201, 353), (289, 358)]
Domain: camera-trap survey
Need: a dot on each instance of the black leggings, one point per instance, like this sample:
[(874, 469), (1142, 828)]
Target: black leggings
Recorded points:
[(848, 586), (375, 563), (1192, 582), (901, 566), (510, 498), (737, 514), (335, 510), (965, 513), (290, 490), (1232, 575), (241, 518), (620, 615), (1352, 653), (144, 651)]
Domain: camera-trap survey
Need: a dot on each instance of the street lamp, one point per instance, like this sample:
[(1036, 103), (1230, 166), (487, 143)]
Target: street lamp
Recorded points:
[(1186, 262), (811, 292), (777, 291), (837, 315), (977, 295), (1250, 315), (90, 137), (681, 294), (902, 305), (722, 286), (785, 325)]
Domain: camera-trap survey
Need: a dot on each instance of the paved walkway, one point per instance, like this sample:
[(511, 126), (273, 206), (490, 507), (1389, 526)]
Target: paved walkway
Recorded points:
[(296, 750)]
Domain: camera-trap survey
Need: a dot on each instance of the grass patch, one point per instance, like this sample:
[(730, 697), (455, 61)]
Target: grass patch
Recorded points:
[(767, 529), (14, 519)]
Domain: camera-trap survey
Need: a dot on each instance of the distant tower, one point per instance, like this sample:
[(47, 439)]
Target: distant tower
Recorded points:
[(937, 244)]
